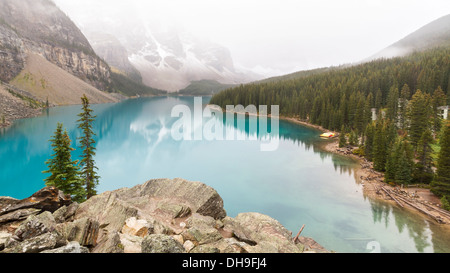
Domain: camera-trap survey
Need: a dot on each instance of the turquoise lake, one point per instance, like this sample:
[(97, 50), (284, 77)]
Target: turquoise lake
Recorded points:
[(296, 184)]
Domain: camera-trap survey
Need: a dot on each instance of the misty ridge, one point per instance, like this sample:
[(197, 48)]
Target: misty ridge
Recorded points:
[(171, 44)]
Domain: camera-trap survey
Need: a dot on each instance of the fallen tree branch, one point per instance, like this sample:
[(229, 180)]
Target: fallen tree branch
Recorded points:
[(391, 196), (298, 234)]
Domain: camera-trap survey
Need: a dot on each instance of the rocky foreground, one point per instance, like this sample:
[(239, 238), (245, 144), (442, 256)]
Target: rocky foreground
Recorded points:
[(160, 216)]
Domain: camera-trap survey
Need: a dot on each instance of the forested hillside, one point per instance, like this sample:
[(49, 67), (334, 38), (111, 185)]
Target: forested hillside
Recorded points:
[(409, 139), (344, 96)]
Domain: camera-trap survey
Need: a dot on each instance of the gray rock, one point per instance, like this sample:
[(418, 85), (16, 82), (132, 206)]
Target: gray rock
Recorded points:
[(65, 213), (108, 242), (197, 196), (202, 235), (130, 243), (71, 209), (173, 210), (18, 215), (37, 244), (71, 247), (84, 231), (4, 236), (36, 225), (59, 214), (160, 243), (7, 201), (108, 210), (200, 220), (263, 233)]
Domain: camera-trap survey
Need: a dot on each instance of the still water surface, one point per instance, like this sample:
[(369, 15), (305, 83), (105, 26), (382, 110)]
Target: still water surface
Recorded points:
[(296, 184)]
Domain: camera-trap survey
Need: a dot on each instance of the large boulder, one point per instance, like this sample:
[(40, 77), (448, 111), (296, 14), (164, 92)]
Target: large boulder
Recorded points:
[(176, 198), (197, 196), (160, 203)]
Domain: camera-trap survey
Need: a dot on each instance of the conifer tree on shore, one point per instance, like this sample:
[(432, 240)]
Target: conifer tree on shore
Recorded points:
[(88, 168), (379, 153), (64, 172), (423, 172), (368, 142), (419, 115)]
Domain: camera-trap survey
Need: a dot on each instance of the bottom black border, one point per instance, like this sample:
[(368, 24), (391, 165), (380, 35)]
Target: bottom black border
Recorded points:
[(229, 262)]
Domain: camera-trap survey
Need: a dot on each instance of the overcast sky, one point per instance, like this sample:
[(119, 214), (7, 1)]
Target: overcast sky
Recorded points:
[(283, 35)]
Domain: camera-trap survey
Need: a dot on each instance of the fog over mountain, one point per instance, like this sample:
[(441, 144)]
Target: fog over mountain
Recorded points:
[(174, 42), (436, 33)]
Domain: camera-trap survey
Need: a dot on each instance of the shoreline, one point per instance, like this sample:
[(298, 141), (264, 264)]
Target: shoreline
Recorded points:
[(413, 198), (24, 113)]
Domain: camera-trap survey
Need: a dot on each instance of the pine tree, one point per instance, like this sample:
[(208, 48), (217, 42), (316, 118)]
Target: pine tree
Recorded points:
[(419, 115), (359, 120), (391, 162), (64, 172), (399, 164), (379, 146), (353, 138), (368, 143), (392, 104), (342, 138), (423, 172), (405, 164), (367, 111), (88, 168), (441, 183)]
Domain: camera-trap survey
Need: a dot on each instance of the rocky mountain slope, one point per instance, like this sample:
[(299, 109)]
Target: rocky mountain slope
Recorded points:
[(42, 28), (46, 58), (159, 216), (46, 81), (13, 105), (114, 53)]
